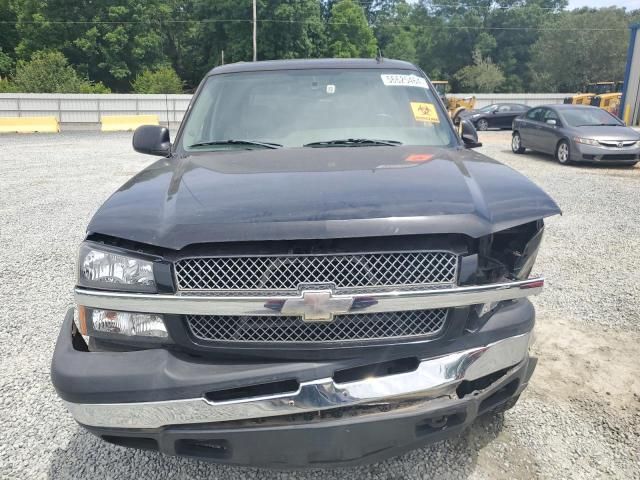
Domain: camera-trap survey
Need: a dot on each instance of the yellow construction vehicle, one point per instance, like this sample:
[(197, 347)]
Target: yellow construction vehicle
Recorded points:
[(455, 105), (609, 101), (590, 91)]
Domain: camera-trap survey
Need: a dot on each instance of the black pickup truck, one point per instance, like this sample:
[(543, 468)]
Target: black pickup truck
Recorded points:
[(319, 271)]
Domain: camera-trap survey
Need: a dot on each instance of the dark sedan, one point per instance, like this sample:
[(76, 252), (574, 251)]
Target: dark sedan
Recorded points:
[(496, 115), (576, 133)]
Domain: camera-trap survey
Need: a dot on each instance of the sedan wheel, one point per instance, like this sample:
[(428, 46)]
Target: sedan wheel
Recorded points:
[(562, 153), (516, 143), (482, 124)]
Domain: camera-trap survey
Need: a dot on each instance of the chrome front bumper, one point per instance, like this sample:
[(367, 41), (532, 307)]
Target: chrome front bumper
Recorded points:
[(435, 379)]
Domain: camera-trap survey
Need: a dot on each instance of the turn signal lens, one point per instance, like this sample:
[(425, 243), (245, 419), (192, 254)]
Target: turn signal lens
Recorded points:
[(127, 323), (82, 319)]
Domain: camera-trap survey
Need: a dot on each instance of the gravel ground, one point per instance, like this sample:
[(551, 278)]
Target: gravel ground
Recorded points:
[(580, 418)]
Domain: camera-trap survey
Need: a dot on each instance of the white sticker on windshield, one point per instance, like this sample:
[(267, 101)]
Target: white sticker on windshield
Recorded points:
[(397, 80)]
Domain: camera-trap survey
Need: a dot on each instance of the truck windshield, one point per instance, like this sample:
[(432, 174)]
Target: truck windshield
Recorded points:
[(320, 108)]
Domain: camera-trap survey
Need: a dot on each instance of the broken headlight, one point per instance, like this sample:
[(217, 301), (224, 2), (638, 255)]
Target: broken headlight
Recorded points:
[(510, 254)]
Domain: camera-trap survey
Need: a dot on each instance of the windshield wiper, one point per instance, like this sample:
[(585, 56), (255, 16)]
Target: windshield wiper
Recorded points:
[(354, 142), (236, 142)]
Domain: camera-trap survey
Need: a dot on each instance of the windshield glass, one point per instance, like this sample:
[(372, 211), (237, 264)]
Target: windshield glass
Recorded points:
[(582, 117), (489, 108), (294, 108), (441, 88)]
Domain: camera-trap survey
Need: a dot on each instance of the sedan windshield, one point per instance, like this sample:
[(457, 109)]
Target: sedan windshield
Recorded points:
[(317, 108), (588, 117)]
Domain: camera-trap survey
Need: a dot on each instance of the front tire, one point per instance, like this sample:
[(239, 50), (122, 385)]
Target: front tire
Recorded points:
[(482, 125), (516, 143), (563, 153)]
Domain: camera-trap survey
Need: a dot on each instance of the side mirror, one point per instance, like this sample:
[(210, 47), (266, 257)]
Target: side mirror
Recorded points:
[(152, 140), (551, 121), (469, 134)]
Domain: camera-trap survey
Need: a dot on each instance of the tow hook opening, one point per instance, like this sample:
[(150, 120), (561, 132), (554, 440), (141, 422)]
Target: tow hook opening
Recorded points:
[(439, 423), (499, 397), (203, 448), (467, 387)]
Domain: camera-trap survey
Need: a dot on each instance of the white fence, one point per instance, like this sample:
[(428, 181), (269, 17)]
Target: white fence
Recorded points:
[(86, 109), (531, 99)]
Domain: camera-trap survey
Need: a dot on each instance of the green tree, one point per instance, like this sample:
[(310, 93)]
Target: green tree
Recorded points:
[(106, 40), (50, 72), (162, 80), (579, 47), (234, 38), (512, 51), (402, 47), (395, 32), (293, 29), (349, 34), (483, 76), (8, 37), (7, 86), (6, 63)]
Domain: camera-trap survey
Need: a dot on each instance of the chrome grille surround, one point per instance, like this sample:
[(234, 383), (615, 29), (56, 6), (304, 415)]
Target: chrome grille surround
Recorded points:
[(344, 273), (617, 143), (291, 329)]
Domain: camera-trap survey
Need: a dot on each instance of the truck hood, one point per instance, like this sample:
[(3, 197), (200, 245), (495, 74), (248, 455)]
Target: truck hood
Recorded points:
[(315, 193)]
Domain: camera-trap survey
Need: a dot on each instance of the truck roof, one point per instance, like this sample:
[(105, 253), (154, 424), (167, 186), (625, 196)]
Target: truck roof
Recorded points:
[(369, 63)]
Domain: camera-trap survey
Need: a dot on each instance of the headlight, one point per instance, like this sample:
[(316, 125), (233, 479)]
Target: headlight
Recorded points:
[(109, 323), (107, 269), (586, 141)]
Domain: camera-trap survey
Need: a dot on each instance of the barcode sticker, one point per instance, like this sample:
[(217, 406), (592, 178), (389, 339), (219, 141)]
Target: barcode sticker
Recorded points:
[(397, 80)]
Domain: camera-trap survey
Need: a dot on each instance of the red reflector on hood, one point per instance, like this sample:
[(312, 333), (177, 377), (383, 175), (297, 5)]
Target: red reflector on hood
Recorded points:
[(418, 158)]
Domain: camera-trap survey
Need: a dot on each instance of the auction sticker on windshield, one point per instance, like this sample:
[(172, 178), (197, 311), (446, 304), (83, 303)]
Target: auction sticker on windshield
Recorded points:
[(425, 112), (397, 80)]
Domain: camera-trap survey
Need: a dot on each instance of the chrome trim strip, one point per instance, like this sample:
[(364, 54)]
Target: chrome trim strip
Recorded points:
[(434, 378), (394, 301)]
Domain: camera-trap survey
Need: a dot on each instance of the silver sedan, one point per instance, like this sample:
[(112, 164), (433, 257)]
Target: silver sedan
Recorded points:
[(576, 133)]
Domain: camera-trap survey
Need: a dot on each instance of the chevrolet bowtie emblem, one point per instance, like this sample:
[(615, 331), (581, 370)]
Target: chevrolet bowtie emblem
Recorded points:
[(317, 305)]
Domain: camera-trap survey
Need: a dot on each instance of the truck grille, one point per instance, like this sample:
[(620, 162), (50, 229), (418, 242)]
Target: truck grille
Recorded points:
[(346, 273), (291, 329)]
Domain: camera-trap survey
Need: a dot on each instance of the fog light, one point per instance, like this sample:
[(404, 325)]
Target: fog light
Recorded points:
[(125, 323)]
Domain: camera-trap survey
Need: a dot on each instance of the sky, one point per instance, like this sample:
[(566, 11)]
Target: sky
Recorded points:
[(628, 4)]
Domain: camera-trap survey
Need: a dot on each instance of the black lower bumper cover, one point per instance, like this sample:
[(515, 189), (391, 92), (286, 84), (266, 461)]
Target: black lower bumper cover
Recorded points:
[(153, 375), (340, 442)]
